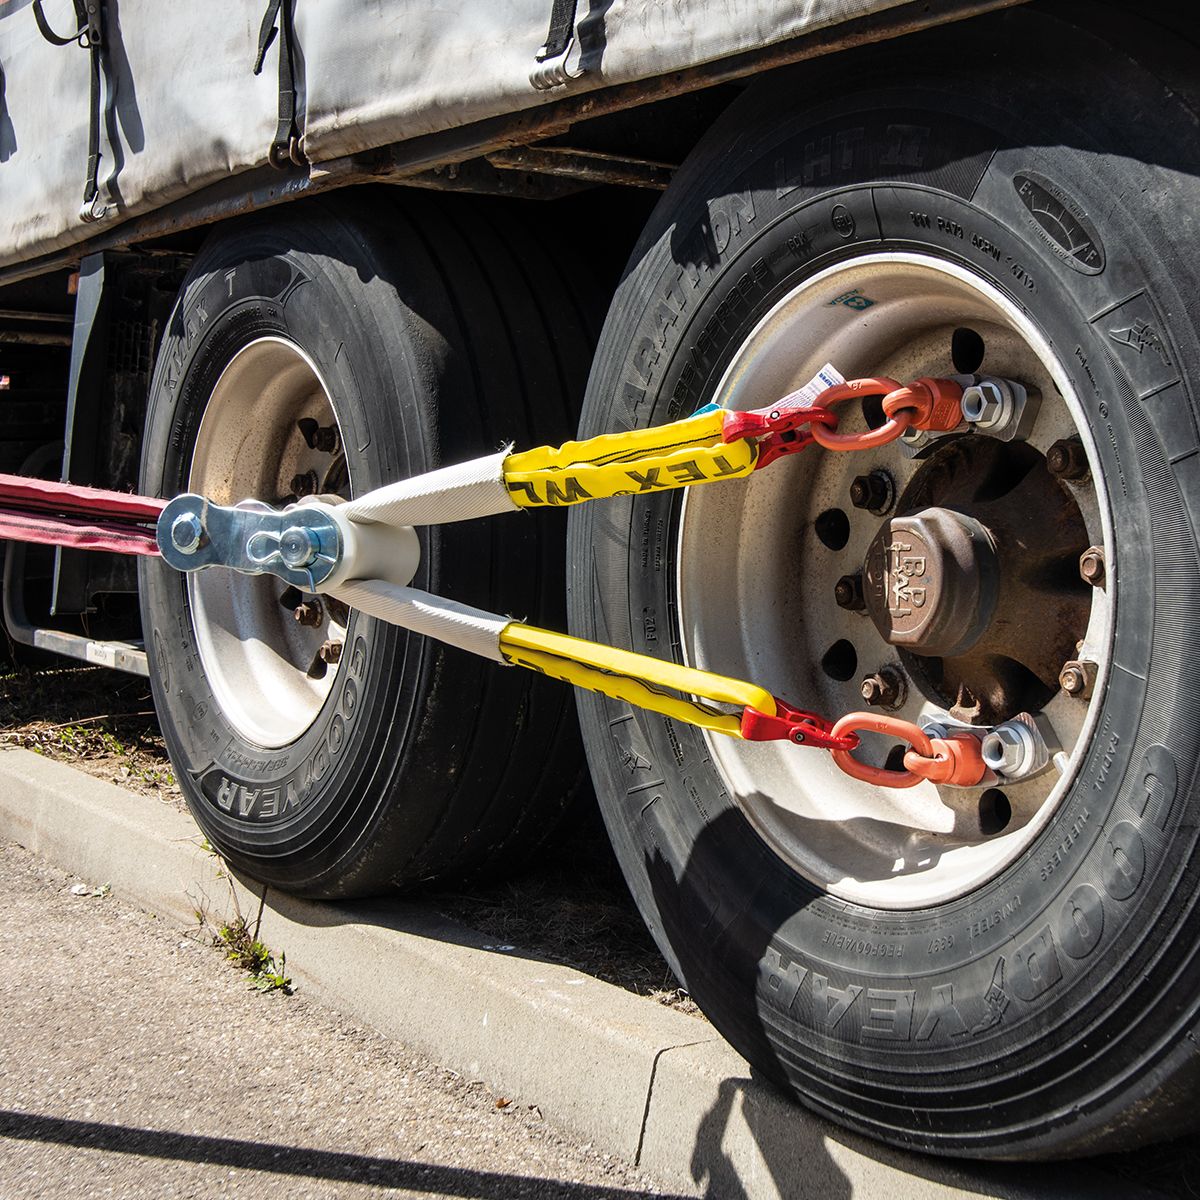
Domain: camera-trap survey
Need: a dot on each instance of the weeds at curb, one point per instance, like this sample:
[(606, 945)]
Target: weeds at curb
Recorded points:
[(267, 973), (241, 944)]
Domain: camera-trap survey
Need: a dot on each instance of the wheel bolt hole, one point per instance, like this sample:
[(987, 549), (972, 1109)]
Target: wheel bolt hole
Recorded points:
[(895, 758), (833, 528), (966, 351), (872, 411), (840, 661), (995, 812)]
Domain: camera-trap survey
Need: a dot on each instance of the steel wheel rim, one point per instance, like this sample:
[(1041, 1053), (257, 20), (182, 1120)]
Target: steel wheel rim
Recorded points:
[(258, 659), (754, 586)]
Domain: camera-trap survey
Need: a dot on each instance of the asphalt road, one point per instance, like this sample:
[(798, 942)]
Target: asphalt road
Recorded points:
[(135, 1062)]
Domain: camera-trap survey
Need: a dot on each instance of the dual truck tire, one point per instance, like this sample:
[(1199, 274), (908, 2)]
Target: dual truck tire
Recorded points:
[(1045, 1007)]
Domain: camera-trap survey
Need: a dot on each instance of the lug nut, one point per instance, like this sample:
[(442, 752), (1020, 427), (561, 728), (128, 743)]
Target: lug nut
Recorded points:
[(1015, 748), (329, 654), (1067, 460), (1078, 677), (987, 403), (884, 689), (875, 492), (305, 484), (319, 437), (848, 592), (309, 613), (1091, 566)]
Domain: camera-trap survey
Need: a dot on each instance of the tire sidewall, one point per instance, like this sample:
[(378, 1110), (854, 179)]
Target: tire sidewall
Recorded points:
[(817, 991), (274, 802)]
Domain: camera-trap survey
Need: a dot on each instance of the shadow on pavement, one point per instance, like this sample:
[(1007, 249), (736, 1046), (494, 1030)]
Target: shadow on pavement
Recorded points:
[(430, 1178)]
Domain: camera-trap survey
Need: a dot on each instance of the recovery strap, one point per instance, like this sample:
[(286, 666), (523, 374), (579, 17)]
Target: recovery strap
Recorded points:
[(711, 445), (63, 514)]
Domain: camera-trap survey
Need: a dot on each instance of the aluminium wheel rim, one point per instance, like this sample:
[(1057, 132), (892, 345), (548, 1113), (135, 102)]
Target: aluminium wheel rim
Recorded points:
[(269, 673), (755, 589)]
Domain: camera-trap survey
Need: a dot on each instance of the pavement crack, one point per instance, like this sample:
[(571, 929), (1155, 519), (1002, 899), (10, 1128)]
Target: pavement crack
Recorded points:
[(658, 1054)]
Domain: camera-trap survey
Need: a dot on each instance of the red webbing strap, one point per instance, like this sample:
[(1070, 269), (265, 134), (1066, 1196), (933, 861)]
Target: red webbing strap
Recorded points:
[(81, 518), (49, 496), (76, 535)]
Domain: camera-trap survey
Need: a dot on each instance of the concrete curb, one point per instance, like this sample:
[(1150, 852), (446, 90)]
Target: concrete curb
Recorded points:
[(654, 1086)]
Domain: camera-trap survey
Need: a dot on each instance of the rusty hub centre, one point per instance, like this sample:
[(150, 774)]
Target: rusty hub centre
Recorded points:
[(931, 580), (976, 580)]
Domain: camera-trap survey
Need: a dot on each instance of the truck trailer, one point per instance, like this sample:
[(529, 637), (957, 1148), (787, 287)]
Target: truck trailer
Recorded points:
[(295, 252)]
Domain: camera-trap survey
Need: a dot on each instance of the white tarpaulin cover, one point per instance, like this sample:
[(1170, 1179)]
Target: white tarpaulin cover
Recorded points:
[(182, 108)]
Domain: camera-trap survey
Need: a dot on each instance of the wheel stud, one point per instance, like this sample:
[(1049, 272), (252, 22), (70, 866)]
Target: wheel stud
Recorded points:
[(318, 437), (884, 689), (1067, 460), (309, 613), (848, 592), (874, 491), (329, 655), (1091, 566), (305, 484), (1078, 677), (337, 609)]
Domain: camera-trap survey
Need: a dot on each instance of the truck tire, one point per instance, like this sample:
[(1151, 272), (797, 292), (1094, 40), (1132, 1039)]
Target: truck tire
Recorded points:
[(397, 338), (1009, 972)]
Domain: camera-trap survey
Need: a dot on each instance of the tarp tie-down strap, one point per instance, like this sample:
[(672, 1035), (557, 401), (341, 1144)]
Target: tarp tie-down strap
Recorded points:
[(89, 35), (562, 29), (285, 149)]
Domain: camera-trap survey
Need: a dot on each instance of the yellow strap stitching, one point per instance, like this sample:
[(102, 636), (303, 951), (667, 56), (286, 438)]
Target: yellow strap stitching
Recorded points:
[(680, 454), (635, 678)]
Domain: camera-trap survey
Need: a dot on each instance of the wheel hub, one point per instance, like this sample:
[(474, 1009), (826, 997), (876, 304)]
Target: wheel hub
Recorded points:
[(810, 624), (931, 581)]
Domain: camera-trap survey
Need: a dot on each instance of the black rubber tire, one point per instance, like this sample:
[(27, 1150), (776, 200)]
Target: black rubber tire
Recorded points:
[(996, 1025), (440, 337)]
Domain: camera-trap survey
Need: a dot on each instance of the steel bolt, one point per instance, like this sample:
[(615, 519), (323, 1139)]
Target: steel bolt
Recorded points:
[(848, 592), (1078, 677), (187, 532), (986, 404), (875, 492), (1091, 566), (884, 689), (309, 613), (1066, 459), (1007, 749), (298, 546)]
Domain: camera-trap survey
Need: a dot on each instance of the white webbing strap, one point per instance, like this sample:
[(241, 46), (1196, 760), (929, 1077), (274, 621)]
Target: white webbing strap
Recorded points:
[(457, 624), (458, 493)]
